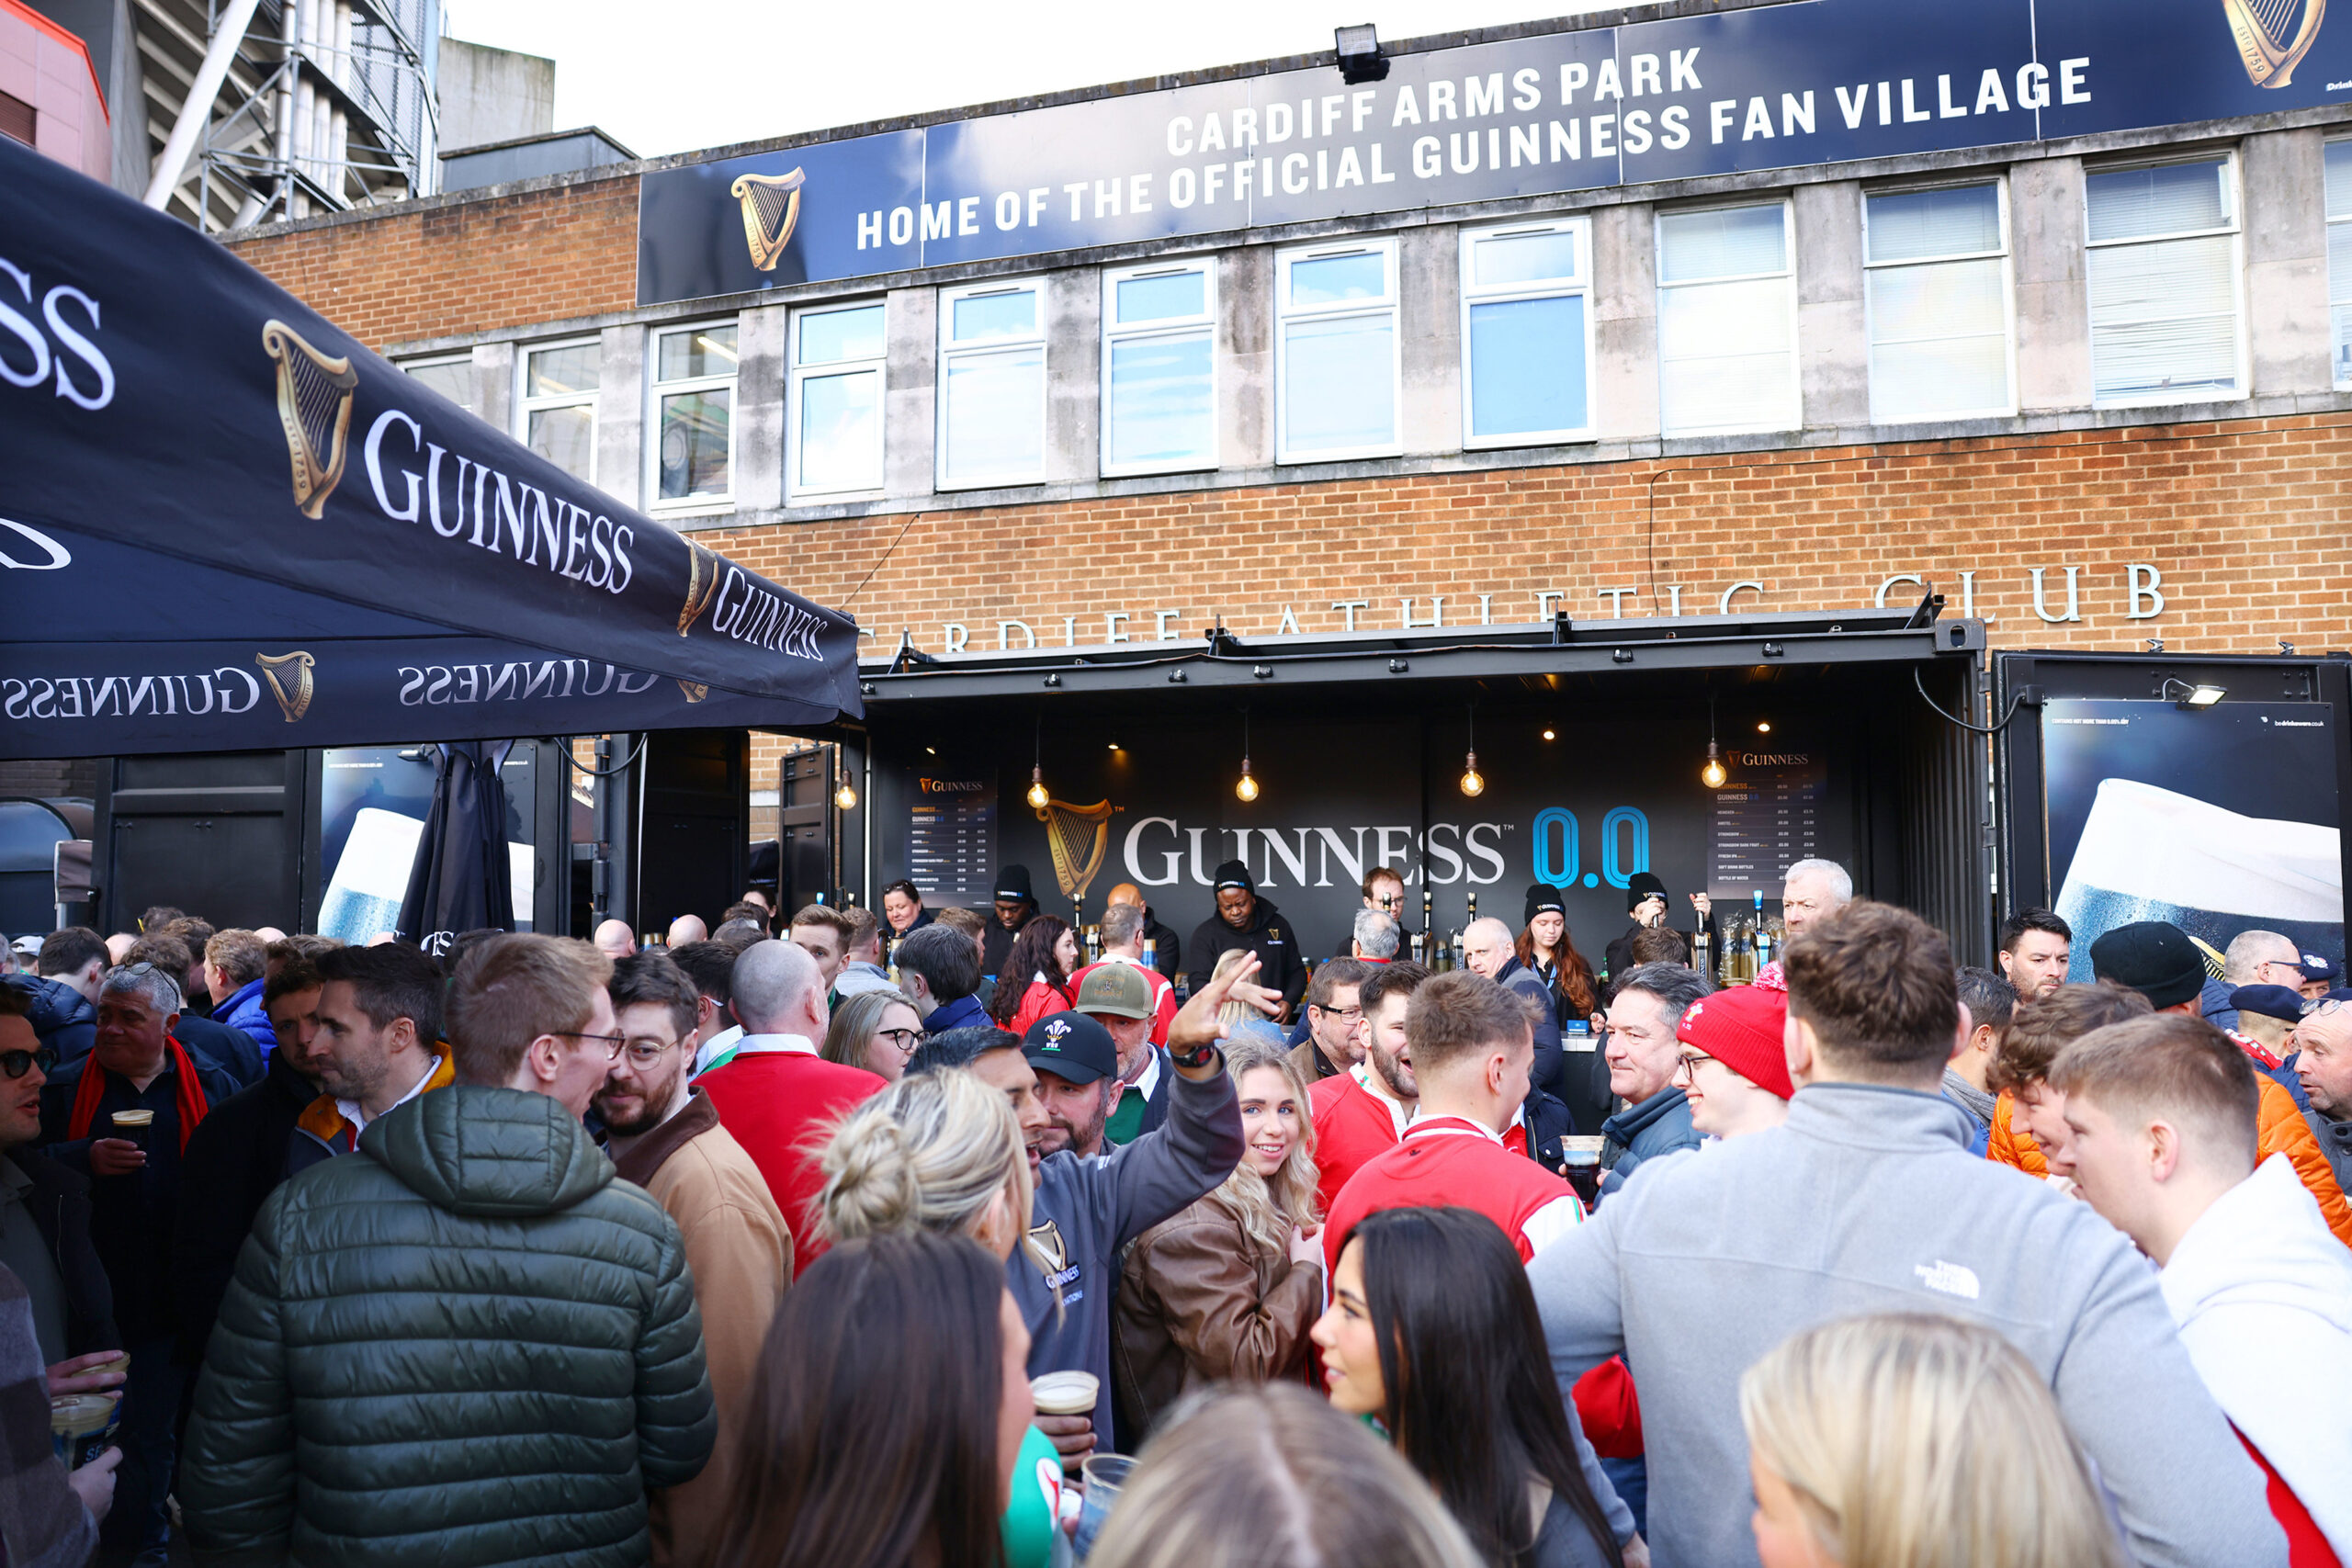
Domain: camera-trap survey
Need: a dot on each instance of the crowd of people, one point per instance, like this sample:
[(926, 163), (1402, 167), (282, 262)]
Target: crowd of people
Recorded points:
[(913, 1237)]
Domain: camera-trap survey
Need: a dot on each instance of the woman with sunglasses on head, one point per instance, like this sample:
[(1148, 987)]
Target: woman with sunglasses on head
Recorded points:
[(1433, 1334), (874, 1030), (1226, 1290)]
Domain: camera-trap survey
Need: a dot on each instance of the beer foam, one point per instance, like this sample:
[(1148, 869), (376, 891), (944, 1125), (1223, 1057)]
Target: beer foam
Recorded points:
[(2144, 842)]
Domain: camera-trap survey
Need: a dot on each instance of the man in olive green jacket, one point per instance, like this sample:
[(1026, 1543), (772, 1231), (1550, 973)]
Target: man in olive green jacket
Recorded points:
[(466, 1342)]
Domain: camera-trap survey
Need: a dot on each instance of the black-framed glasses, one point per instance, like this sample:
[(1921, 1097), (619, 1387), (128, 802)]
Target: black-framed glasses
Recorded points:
[(1345, 1015), (902, 1041), (1394, 901), (16, 1063), (611, 1043), (1686, 1065)]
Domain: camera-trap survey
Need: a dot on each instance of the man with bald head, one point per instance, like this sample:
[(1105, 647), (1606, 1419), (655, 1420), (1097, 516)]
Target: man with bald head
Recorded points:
[(687, 929), (2322, 1068), (1165, 947), (1488, 947), (615, 939), (776, 1095)]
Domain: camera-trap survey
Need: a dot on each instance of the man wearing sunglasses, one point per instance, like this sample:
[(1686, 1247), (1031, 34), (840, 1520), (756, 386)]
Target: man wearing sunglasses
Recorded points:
[(483, 1310), (665, 1136), (1384, 892)]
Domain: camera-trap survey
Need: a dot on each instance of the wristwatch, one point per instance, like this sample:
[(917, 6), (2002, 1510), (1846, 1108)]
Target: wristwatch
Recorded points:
[(1200, 1056)]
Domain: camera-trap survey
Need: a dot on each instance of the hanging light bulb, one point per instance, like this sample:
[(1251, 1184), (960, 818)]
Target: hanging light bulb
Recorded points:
[(1038, 795), (1472, 781), (846, 796), (1712, 775), (1246, 789)]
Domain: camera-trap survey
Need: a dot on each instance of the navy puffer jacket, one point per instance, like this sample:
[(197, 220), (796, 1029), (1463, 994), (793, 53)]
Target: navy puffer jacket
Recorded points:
[(466, 1343)]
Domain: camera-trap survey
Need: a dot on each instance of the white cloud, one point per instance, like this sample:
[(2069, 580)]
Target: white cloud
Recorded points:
[(697, 74)]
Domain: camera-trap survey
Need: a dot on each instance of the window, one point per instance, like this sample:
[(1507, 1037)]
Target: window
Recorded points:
[(991, 385), (692, 455), (2164, 283), (836, 400), (1726, 320), (1159, 368), (557, 412), (1526, 334), (453, 378), (1336, 365), (1937, 288), (2339, 258)]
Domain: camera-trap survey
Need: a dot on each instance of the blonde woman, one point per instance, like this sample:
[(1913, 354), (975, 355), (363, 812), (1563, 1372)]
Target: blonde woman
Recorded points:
[(941, 1152), (1275, 1477), (1914, 1441), (1226, 1290)]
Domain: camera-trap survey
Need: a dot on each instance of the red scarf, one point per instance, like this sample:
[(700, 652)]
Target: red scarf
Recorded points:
[(188, 1095)]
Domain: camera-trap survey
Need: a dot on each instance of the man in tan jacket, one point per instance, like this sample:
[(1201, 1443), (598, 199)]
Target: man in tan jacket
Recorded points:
[(666, 1138)]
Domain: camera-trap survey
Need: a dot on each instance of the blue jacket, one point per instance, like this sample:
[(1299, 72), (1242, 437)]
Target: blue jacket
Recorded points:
[(2215, 1002), (1658, 1125), (1550, 1071), (242, 1011), (963, 1013), (62, 1016)]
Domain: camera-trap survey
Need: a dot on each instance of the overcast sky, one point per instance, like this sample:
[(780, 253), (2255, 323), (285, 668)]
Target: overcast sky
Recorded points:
[(696, 74)]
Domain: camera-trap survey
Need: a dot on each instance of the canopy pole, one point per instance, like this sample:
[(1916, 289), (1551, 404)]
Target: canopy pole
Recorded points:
[(196, 113)]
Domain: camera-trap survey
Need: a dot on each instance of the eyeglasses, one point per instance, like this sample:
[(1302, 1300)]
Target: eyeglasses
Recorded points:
[(644, 1051), (611, 1043), (1345, 1015), (16, 1063), (1686, 1065), (141, 970), (2322, 1007), (901, 1040)]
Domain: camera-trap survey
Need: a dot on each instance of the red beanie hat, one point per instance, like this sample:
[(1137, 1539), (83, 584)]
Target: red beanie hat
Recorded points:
[(1741, 1028)]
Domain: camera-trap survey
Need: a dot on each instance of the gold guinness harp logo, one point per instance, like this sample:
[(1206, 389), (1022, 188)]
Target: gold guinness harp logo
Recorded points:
[(771, 207), (702, 585), (277, 670), (314, 404), (1078, 835), (2274, 35)]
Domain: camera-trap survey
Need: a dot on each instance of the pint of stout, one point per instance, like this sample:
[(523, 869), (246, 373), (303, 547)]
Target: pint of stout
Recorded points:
[(2153, 855)]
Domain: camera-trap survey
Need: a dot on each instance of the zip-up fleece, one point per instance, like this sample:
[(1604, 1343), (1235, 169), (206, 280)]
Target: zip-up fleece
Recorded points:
[(1866, 1199)]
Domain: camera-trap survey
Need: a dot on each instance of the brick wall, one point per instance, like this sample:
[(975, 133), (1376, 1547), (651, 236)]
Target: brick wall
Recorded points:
[(467, 266)]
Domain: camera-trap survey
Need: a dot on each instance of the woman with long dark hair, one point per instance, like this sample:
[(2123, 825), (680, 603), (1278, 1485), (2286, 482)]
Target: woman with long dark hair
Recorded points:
[(1036, 978), (1432, 1332), (837, 1472), (1545, 949)]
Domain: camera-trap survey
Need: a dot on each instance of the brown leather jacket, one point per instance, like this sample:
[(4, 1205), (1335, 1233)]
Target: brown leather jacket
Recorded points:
[(1200, 1303)]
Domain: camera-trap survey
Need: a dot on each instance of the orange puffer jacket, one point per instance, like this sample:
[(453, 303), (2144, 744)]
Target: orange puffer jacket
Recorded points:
[(2279, 1129)]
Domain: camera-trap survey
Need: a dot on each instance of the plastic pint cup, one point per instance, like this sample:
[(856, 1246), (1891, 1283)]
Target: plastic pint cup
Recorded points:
[(1065, 1394), (80, 1426), (1101, 1478), (134, 1125)]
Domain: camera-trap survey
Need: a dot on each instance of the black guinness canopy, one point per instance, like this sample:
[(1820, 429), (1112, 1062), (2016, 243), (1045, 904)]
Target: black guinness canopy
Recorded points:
[(226, 525)]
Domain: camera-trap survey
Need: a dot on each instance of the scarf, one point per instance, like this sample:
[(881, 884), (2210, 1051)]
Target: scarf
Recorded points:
[(188, 1095)]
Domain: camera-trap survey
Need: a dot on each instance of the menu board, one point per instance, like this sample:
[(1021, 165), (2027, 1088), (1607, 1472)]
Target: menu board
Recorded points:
[(950, 838), (1765, 818)]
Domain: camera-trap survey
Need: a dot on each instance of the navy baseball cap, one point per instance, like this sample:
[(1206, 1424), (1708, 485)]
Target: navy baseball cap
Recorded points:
[(2269, 1001), (1072, 1046), (2314, 967)]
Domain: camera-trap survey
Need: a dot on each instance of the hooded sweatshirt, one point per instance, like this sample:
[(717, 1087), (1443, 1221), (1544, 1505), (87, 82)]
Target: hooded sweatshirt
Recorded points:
[(2262, 1292), (1268, 934), (1866, 1199)]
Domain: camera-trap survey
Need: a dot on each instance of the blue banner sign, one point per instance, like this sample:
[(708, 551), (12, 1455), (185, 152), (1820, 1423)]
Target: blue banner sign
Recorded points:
[(1773, 86)]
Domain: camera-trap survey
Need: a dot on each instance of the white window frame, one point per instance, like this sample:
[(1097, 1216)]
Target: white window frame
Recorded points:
[(656, 388), (1390, 305), (1795, 420), (525, 405), (1170, 326), (2335, 287), (2006, 255), (2234, 192), (437, 361), (949, 353), (796, 372), (1549, 288)]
